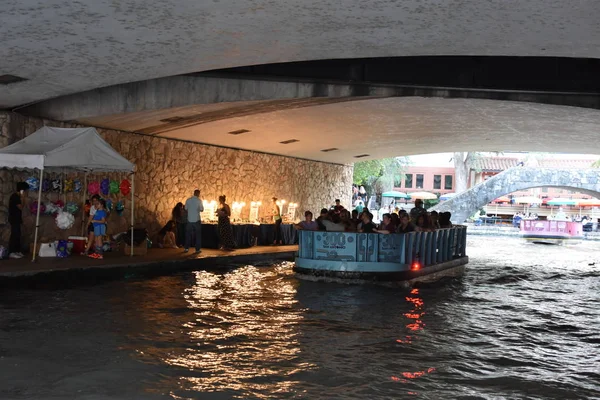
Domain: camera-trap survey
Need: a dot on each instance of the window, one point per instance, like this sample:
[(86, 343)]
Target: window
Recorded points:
[(408, 181), (437, 181), (448, 182), (419, 181)]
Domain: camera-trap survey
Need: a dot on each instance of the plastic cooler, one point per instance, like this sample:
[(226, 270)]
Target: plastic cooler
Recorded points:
[(78, 244)]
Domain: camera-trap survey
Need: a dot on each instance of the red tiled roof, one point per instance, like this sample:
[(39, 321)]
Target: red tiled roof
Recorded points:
[(497, 164)]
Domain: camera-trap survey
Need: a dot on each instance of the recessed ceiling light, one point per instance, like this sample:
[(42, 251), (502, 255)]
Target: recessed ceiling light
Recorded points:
[(289, 141), (238, 132), (8, 79), (361, 156), (172, 119), (330, 149)]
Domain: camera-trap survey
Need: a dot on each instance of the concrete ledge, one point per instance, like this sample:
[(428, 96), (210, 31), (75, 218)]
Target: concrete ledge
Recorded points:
[(158, 262)]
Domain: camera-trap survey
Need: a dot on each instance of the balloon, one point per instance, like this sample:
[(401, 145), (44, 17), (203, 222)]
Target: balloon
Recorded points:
[(77, 186), (68, 185), (105, 187), (114, 187), (34, 206), (94, 188), (64, 220), (125, 187), (119, 207), (45, 185), (56, 185), (72, 208), (33, 182)]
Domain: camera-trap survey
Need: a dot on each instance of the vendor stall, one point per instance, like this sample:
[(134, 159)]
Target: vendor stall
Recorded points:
[(248, 235), (65, 149)]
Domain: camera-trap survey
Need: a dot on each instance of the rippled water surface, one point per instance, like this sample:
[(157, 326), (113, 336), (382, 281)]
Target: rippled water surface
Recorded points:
[(523, 322)]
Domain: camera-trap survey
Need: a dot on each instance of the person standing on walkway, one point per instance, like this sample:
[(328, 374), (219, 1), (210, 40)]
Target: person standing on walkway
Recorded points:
[(194, 207), (277, 220), (15, 218), (227, 241), (179, 215)]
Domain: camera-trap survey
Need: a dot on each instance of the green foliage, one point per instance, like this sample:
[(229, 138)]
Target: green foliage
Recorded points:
[(596, 164), (378, 176), (430, 203)]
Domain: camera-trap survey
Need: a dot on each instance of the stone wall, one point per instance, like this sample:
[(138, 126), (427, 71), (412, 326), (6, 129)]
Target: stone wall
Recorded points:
[(168, 171)]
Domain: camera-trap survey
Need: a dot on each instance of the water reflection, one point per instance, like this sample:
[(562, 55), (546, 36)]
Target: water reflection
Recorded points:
[(243, 334)]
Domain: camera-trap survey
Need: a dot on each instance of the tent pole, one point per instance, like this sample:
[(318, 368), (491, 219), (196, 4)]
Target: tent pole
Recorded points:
[(37, 216), (83, 213), (132, 209)]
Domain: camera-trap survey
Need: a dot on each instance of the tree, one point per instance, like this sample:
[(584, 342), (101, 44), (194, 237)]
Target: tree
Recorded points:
[(596, 164), (377, 176), (463, 162)]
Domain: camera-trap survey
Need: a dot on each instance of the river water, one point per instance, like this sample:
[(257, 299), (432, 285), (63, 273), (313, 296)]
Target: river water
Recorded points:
[(522, 323)]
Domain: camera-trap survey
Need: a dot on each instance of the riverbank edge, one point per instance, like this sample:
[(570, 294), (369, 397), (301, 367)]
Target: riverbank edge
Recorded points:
[(94, 274)]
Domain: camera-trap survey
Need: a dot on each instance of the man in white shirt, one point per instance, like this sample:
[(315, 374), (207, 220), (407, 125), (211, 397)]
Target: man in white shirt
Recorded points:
[(193, 207)]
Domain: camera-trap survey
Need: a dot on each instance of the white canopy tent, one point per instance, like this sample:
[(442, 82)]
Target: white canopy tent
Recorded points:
[(60, 149)]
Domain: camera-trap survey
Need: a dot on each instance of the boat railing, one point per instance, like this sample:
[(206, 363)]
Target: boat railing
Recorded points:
[(426, 248)]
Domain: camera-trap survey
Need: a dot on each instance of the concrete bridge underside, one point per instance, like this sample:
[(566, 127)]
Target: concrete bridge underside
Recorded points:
[(514, 179)]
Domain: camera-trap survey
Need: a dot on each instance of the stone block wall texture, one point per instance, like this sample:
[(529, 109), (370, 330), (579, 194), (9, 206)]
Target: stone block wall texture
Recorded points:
[(167, 172)]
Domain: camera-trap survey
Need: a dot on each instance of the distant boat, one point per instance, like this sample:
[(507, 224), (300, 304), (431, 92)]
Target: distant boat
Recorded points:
[(551, 231)]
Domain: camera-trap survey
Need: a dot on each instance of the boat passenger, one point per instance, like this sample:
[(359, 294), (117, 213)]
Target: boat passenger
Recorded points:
[(308, 224), (386, 226), (333, 222), (319, 219), (445, 219), (367, 223), (405, 225), (435, 220), (417, 210)]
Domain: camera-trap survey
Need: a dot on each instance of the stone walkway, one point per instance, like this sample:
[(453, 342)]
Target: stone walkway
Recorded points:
[(163, 259)]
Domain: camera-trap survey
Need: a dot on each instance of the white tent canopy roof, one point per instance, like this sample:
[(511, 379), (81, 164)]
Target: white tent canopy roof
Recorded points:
[(81, 149)]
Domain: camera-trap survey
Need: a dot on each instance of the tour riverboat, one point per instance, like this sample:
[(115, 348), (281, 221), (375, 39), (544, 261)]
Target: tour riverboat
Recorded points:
[(551, 231), (411, 257)]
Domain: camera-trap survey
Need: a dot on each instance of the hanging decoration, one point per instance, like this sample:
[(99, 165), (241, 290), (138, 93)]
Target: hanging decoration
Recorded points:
[(33, 182), (109, 205), (45, 185), (105, 187), (51, 208), (34, 206), (114, 187), (56, 185), (119, 208), (72, 208), (77, 186), (64, 220), (125, 187), (68, 185), (94, 188)]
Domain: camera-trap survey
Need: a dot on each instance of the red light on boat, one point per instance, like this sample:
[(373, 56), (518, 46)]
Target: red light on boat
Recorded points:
[(416, 266)]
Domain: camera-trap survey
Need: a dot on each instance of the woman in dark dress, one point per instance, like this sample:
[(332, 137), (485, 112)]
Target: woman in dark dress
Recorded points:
[(179, 215), (225, 231)]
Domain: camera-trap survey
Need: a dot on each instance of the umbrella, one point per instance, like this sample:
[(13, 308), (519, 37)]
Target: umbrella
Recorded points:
[(423, 196), (528, 200), (588, 203), (562, 202), (395, 194), (501, 199), (447, 196)]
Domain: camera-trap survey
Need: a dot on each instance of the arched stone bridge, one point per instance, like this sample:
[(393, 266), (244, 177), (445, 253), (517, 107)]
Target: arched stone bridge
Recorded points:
[(513, 179)]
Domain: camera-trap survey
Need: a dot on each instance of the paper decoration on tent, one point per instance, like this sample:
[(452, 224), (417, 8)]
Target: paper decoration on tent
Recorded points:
[(33, 182), (72, 208), (125, 187), (113, 187), (105, 187), (56, 185), (94, 188), (62, 249), (45, 185), (51, 209), (68, 185), (77, 186), (109, 205), (34, 206), (119, 208), (64, 220), (59, 204)]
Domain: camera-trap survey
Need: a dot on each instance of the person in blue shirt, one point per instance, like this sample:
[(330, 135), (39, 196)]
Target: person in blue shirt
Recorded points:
[(99, 222)]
